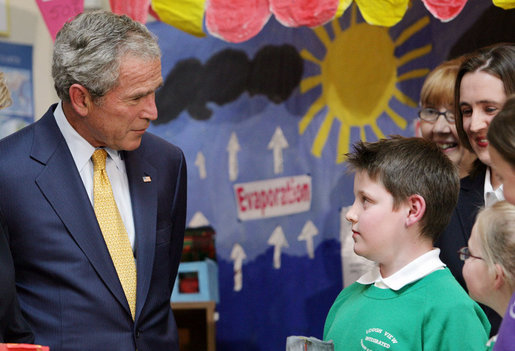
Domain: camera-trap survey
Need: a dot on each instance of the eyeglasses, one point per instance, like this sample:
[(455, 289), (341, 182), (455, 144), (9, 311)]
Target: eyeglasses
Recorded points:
[(464, 253), (431, 115)]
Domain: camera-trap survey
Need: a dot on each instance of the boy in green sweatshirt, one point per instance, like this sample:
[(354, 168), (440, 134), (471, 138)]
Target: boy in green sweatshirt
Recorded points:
[(405, 191)]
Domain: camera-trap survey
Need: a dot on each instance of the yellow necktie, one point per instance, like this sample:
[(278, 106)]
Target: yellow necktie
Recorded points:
[(113, 230)]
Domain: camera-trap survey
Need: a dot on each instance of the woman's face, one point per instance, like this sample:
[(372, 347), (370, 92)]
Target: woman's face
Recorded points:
[(444, 134), (481, 98)]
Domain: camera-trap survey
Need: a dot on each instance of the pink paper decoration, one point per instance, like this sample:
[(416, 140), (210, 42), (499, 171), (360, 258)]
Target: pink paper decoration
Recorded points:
[(57, 12), (295, 13), (236, 20), (135, 9), (445, 10)]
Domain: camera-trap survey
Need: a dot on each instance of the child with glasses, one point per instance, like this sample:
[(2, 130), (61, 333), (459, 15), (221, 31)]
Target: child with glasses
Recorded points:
[(501, 136), (405, 190), (437, 121), (489, 268)]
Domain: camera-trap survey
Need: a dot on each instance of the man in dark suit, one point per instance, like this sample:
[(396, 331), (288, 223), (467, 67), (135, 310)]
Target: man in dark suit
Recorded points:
[(106, 69)]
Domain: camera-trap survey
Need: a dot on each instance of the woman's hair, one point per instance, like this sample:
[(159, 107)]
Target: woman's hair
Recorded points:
[(501, 133), (5, 96), (438, 88), (497, 60), (495, 226), (89, 49)]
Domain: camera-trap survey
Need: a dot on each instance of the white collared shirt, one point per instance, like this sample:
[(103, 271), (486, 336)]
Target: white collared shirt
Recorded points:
[(81, 152), (413, 271), (491, 196)]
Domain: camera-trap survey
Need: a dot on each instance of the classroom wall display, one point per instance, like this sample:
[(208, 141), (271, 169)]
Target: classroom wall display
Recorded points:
[(16, 63), (265, 124)]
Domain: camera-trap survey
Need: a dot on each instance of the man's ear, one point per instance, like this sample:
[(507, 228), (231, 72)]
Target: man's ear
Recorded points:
[(80, 99), (416, 209)]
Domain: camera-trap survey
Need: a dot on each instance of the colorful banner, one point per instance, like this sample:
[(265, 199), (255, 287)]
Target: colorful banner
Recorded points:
[(58, 12)]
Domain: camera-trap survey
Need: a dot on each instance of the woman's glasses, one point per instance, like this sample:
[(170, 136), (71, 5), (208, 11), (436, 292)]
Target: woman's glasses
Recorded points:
[(464, 253), (431, 115)]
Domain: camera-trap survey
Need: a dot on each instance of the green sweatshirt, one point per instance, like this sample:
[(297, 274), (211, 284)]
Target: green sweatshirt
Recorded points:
[(432, 313)]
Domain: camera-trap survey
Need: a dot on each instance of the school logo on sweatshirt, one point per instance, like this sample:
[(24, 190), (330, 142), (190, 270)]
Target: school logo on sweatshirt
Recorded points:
[(377, 339)]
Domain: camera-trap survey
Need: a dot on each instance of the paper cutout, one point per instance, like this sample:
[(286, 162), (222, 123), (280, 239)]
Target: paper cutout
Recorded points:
[(186, 15), (57, 12), (236, 20), (135, 9), (445, 10), (295, 13), (505, 4), (383, 12)]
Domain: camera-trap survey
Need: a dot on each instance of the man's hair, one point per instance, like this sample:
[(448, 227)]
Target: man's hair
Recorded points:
[(495, 226), (497, 60), (501, 133), (89, 49), (438, 88), (409, 166)]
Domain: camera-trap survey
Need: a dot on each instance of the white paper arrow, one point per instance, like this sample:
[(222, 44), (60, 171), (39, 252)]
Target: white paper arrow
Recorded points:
[(200, 162), (278, 240), (238, 255), (198, 220), (308, 232), (277, 144), (232, 148)]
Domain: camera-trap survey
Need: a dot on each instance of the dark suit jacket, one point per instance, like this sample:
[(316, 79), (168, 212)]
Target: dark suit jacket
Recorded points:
[(13, 327), (457, 233), (67, 284)]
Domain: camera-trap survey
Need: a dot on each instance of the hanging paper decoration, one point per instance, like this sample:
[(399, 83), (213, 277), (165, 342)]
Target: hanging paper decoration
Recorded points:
[(135, 9), (236, 20), (505, 4), (58, 12), (296, 13), (240, 20), (383, 12), (186, 15), (445, 10)]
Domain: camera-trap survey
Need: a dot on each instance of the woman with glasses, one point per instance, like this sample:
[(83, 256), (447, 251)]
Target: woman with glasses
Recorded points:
[(437, 122), (484, 80), (489, 268)]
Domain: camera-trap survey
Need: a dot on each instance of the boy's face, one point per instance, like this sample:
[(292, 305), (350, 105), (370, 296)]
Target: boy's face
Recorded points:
[(376, 226)]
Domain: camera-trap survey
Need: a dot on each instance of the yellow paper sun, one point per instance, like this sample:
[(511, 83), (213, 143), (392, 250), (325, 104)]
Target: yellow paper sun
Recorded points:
[(358, 79)]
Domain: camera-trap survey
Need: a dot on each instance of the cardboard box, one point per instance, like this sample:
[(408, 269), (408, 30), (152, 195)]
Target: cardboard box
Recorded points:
[(196, 281)]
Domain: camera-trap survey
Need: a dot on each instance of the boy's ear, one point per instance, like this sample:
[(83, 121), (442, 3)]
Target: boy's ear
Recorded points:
[(80, 99), (416, 209)]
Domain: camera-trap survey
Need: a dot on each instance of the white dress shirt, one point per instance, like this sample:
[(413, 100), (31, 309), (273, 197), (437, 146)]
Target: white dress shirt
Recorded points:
[(491, 195), (81, 152), (413, 271)]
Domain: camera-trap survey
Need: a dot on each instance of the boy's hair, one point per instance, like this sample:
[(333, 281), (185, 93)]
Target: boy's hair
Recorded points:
[(408, 166), (496, 228), (501, 133)]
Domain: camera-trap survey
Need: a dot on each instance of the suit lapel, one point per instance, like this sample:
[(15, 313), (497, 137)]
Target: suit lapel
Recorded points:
[(62, 186), (143, 188)]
